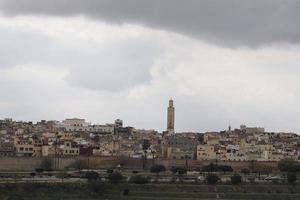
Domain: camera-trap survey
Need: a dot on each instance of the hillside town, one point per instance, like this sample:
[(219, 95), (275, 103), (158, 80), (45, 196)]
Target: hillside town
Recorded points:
[(77, 137)]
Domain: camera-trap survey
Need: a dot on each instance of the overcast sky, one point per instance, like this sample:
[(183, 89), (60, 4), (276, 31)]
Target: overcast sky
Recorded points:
[(223, 62)]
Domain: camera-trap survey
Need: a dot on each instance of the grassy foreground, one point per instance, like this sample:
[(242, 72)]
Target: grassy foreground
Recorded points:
[(95, 190)]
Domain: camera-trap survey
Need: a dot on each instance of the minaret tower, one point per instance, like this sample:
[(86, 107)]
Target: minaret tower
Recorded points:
[(171, 117)]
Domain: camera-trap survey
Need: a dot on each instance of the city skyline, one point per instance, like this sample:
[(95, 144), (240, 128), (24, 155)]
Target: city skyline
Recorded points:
[(226, 62), (169, 130)]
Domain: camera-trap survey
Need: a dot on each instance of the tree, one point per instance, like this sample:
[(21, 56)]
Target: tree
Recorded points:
[(287, 165), (292, 177), (138, 179), (115, 177), (212, 179), (46, 164), (145, 146), (157, 169), (210, 168), (39, 170), (79, 165), (225, 168), (91, 175), (215, 168), (178, 170), (236, 179), (96, 186), (245, 171)]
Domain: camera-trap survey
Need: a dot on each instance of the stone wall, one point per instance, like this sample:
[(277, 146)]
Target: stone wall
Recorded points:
[(30, 163)]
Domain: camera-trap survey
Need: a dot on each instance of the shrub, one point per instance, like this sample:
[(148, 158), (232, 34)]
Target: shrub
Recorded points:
[(289, 165), (157, 169), (91, 175), (215, 168), (139, 179), (126, 192), (79, 164), (115, 178), (210, 168), (212, 179), (39, 170), (96, 186), (225, 168), (178, 170), (32, 174), (245, 171), (292, 177), (46, 164), (236, 179)]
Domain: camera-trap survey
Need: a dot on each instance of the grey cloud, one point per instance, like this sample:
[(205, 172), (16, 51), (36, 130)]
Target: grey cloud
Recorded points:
[(228, 22), (116, 67), (111, 65), (18, 48)]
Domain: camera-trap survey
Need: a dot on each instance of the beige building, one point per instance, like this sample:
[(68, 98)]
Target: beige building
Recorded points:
[(206, 152), (252, 130), (177, 153), (178, 142), (24, 147), (273, 156), (70, 149)]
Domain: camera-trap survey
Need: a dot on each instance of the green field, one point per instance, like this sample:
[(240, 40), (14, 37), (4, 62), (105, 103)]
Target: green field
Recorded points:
[(147, 192)]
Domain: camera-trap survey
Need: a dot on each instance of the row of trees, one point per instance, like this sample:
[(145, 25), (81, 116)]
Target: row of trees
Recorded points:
[(288, 166), (291, 168)]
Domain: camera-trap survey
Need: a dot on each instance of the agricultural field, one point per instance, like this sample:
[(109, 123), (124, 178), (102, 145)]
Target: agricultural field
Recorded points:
[(97, 190)]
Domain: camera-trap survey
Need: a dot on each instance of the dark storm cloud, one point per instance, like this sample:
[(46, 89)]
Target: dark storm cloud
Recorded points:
[(226, 22)]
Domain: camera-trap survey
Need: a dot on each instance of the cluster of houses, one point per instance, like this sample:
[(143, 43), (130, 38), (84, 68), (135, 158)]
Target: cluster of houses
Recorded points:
[(76, 137)]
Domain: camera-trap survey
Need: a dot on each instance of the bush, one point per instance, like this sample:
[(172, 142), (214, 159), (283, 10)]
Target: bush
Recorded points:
[(139, 179), (39, 170), (236, 179), (32, 174), (216, 168), (126, 192), (178, 170), (79, 165), (245, 171), (157, 169), (210, 168), (225, 168), (115, 178), (46, 164), (292, 177), (91, 175), (96, 186), (289, 165), (212, 179)]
